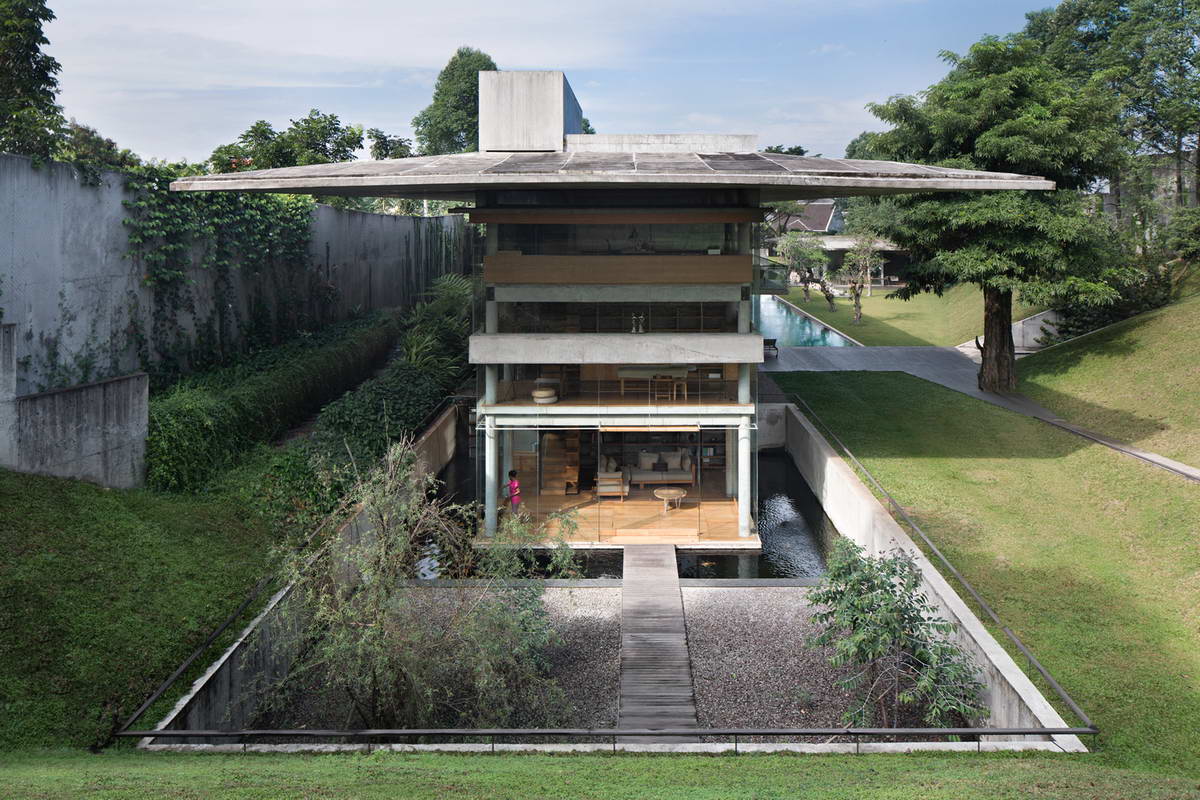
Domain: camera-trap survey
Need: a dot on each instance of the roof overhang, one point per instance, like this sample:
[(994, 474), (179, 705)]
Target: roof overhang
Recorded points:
[(777, 177)]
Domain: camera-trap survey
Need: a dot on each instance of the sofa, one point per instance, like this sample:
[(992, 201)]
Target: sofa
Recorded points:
[(680, 471)]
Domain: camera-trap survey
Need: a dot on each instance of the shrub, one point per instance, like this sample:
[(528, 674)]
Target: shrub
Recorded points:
[(206, 424), (877, 619), (370, 650)]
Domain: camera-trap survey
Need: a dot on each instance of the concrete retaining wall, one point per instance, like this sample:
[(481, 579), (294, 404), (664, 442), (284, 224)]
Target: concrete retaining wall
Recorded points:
[(1026, 332), (81, 310), (1012, 698), (224, 696), (94, 432)]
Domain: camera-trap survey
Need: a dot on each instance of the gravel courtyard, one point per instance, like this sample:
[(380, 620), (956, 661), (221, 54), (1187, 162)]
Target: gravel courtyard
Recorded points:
[(588, 663), (752, 665)]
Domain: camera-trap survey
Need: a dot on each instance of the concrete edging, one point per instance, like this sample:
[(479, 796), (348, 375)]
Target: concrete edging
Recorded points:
[(1013, 699), (820, 322)]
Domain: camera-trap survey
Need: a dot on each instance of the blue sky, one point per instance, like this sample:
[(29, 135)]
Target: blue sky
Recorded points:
[(173, 79)]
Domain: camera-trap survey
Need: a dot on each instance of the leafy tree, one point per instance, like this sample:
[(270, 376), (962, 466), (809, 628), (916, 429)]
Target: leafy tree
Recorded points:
[(878, 620), (804, 254), (384, 146), (31, 120), (450, 123), (860, 146), (793, 150), (858, 266), (369, 649), (587, 126), (1004, 107), (315, 139), (1150, 52), (83, 145), (1183, 235)]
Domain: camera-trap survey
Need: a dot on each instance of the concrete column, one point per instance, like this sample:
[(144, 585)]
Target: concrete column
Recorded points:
[(491, 481), (744, 498), (743, 316), (491, 317), (744, 237), (489, 383), (506, 453), (745, 566), (744, 384), (730, 463), (8, 396), (491, 239)]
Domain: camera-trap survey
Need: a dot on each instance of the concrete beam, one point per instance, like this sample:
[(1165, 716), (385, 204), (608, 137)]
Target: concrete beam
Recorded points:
[(616, 348), (609, 293)]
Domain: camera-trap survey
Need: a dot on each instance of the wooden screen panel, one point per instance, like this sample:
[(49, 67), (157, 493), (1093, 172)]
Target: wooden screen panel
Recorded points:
[(514, 268)]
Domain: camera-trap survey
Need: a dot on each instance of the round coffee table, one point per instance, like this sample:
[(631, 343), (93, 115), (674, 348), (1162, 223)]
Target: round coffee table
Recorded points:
[(670, 494)]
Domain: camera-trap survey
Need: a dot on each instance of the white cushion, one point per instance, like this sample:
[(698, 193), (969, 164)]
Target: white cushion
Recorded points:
[(543, 392), (685, 461), (647, 460), (611, 464), (672, 460)]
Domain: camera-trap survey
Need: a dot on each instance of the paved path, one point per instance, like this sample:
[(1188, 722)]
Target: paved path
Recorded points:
[(954, 368), (656, 671)]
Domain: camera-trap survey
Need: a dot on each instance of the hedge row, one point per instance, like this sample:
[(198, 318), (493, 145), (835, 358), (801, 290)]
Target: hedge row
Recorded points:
[(204, 424), (302, 483)]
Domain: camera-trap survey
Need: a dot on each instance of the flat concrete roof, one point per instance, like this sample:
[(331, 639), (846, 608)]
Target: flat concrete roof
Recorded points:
[(778, 177)]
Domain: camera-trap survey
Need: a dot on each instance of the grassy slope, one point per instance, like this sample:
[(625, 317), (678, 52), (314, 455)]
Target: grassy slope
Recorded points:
[(103, 593), (1136, 380), (1090, 555), (946, 321), (391, 775)]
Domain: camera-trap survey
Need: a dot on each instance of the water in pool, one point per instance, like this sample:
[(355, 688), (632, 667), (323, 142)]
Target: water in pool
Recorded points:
[(777, 321), (791, 523)]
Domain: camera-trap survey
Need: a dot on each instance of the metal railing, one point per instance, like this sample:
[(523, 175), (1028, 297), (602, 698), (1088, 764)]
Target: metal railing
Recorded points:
[(950, 568), (735, 735)]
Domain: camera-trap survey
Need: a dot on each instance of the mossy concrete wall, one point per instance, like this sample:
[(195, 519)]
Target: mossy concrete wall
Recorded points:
[(83, 314)]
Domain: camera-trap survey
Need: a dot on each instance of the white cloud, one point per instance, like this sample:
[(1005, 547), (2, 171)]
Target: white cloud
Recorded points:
[(170, 79)]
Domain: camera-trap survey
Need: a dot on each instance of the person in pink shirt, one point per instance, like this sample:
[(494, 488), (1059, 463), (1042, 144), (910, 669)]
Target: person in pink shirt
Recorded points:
[(513, 488)]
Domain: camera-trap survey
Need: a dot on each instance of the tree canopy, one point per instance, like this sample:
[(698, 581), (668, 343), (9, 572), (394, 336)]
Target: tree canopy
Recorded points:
[(450, 123), (1004, 107), (315, 139), (31, 121), (792, 150)]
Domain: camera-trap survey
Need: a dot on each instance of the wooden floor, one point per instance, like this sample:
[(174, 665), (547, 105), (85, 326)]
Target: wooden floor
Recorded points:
[(641, 518), (656, 672)]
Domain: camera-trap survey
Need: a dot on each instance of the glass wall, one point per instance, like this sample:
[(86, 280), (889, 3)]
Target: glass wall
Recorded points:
[(717, 317), (617, 483), (711, 238), (617, 384)]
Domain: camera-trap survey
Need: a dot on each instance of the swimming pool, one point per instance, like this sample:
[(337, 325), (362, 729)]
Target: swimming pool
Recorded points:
[(791, 329)]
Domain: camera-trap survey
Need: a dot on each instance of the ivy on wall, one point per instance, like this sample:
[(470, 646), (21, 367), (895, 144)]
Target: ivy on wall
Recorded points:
[(261, 236)]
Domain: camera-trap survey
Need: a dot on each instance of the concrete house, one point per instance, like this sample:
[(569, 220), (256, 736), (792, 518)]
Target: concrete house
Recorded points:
[(615, 341)]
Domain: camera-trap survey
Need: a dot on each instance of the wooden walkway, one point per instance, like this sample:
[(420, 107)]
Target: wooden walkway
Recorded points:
[(656, 671)]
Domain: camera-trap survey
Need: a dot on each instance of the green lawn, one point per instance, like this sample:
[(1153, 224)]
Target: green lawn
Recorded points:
[(1091, 556), (103, 593), (926, 320), (529, 777), (1137, 380)]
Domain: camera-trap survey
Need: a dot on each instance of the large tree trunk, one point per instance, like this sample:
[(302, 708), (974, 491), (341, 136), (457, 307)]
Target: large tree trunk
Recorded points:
[(998, 372)]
